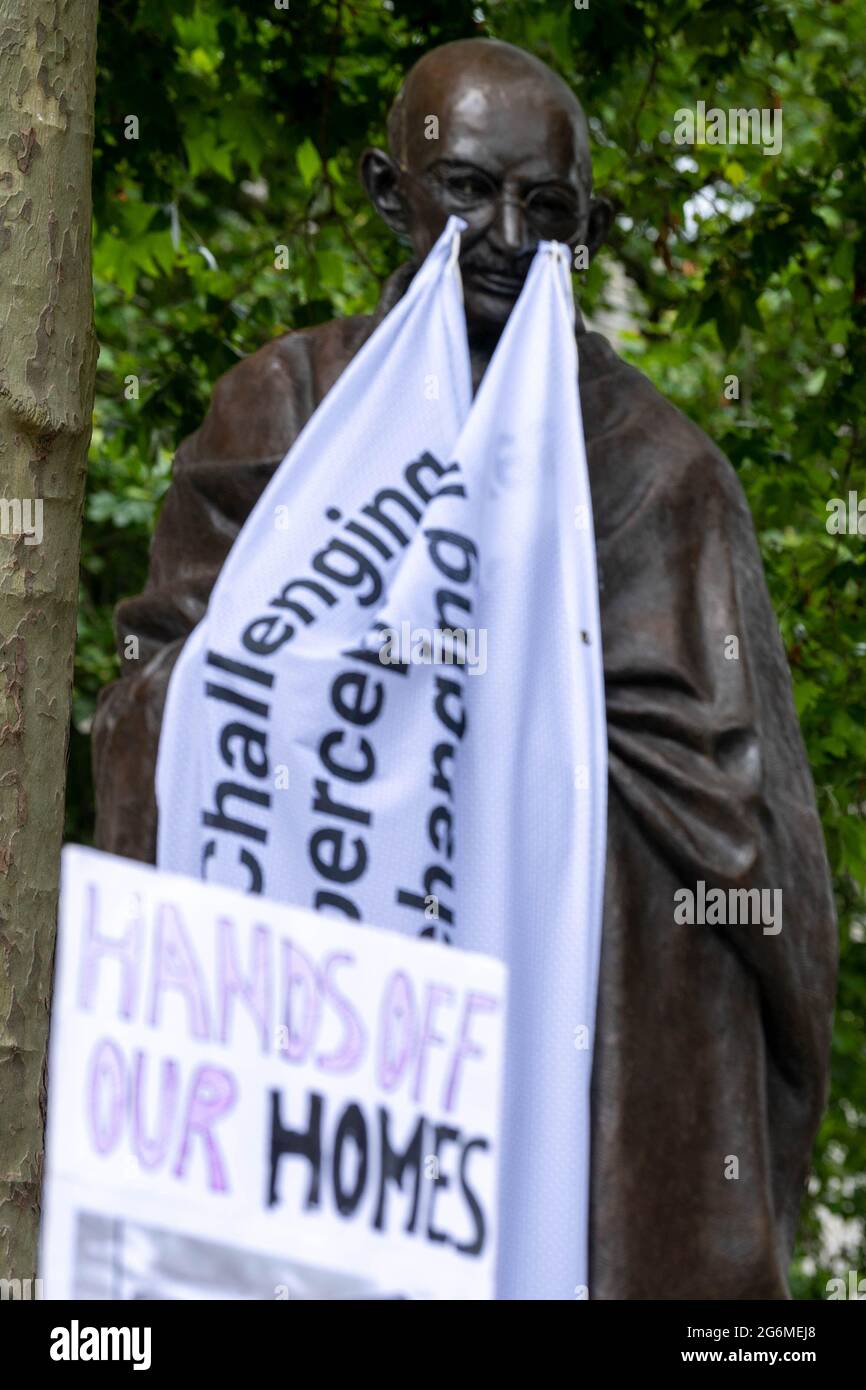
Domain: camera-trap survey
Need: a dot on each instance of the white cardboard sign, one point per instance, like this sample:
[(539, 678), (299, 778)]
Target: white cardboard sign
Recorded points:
[(251, 1100)]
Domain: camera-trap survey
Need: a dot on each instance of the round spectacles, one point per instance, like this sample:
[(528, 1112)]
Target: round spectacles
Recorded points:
[(553, 213)]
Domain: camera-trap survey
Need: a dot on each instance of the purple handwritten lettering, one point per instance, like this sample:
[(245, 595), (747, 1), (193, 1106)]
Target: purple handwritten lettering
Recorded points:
[(436, 995), (106, 1095), (398, 1030), (213, 1092), (255, 990), (483, 1003), (300, 1022), (126, 950), (176, 968), (152, 1152), (354, 1036)]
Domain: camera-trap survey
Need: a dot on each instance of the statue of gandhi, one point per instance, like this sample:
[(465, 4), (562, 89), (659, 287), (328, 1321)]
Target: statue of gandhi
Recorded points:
[(712, 1040)]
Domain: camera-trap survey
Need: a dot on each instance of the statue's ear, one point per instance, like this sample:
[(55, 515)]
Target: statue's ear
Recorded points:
[(381, 179), (598, 224)]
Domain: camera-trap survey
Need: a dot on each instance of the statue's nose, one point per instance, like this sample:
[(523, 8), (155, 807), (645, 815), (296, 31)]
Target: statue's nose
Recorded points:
[(510, 225)]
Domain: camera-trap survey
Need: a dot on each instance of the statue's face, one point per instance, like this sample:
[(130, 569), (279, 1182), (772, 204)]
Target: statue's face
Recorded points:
[(502, 152), (506, 161)]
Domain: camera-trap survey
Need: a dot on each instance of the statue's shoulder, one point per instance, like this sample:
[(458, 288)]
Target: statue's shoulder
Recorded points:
[(640, 447), (260, 405)]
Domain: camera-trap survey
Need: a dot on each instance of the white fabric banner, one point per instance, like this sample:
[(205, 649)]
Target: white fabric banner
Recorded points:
[(394, 708)]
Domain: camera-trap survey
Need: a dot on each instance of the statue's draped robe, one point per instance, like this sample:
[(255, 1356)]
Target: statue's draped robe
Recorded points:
[(712, 1042)]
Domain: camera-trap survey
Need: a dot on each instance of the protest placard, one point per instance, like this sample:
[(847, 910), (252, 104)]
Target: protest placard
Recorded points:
[(251, 1100)]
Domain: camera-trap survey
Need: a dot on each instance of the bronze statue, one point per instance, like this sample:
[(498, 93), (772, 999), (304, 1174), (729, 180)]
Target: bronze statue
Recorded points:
[(712, 1042)]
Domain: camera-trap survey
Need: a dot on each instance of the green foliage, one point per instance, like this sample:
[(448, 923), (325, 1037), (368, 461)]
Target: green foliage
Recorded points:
[(251, 120)]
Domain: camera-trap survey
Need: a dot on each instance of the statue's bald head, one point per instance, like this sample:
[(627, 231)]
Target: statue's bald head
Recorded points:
[(484, 130), (453, 75)]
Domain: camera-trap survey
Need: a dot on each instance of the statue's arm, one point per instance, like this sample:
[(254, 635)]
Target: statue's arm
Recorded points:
[(706, 756), (219, 473)]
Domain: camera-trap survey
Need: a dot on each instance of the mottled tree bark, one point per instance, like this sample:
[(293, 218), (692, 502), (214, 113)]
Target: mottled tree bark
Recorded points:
[(47, 365)]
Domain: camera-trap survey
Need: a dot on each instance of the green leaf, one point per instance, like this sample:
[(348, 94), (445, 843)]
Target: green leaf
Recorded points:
[(815, 382), (308, 161), (206, 156)]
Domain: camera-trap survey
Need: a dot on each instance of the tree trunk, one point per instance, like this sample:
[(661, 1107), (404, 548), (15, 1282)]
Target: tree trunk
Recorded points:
[(47, 367)]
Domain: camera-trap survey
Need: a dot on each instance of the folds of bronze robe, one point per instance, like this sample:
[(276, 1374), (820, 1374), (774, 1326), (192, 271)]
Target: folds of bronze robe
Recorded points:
[(712, 1042)]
